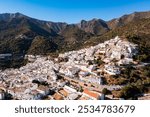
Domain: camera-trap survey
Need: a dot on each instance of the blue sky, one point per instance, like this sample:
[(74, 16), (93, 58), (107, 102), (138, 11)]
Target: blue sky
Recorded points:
[(73, 11)]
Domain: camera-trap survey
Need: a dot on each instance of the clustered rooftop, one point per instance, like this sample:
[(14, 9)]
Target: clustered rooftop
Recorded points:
[(72, 75)]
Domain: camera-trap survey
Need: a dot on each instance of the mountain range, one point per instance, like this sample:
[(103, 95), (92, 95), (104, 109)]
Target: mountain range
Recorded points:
[(22, 34)]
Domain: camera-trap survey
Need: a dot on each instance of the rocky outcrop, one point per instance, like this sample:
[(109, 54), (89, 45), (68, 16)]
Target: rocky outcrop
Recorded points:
[(114, 23), (95, 26)]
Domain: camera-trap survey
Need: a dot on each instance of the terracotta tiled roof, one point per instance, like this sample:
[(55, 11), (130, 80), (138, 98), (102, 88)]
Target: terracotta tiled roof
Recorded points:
[(64, 93), (91, 93), (84, 98), (57, 96), (43, 88)]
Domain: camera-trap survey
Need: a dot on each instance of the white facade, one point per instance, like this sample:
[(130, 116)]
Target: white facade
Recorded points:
[(2, 95), (112, 70)]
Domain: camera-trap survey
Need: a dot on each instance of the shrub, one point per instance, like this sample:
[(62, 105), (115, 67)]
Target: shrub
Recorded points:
[(129, 91), (106, 91)]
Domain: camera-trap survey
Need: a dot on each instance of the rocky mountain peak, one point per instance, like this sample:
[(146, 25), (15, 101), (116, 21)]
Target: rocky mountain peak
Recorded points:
[(125, 19), (10, 16), (95, 26)]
